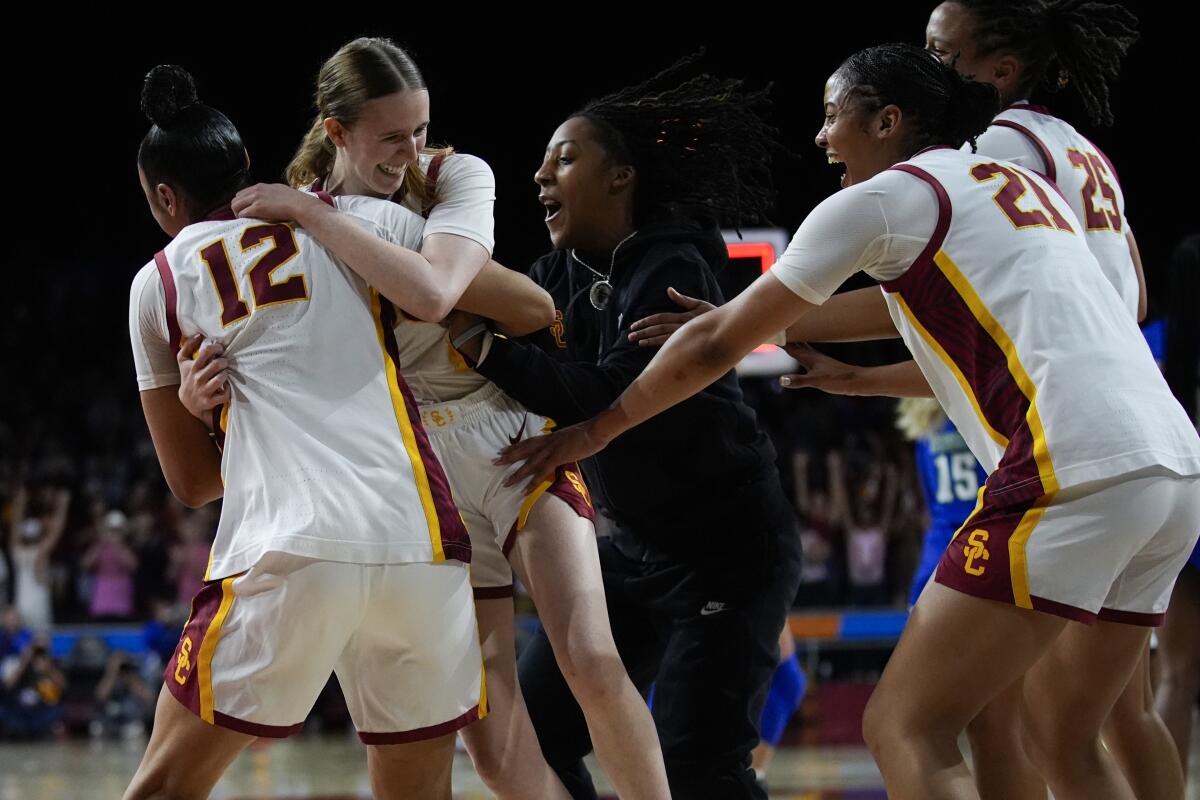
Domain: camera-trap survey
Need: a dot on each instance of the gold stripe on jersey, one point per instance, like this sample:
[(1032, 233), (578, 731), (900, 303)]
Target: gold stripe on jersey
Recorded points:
[(997, 437), (1018, 565), (209, 647), (456, 360), (1041, 452), (406, 432), (530, 499), (483, 698)]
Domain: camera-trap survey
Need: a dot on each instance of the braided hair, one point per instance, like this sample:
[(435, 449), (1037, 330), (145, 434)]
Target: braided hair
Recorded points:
[(701, 146), (1078, 43), (945, 107), (189, 146)]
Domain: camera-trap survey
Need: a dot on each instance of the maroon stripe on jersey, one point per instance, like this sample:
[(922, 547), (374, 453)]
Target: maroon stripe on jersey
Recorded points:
[(493, 592), (168, 282), (1132, 617), (944, 313), (255, 729), (181, 675), (456, 543), (221, 215), (1062, 610), (432, 732), (1050, 172), (924, 262), (431, 176), (326, 197)]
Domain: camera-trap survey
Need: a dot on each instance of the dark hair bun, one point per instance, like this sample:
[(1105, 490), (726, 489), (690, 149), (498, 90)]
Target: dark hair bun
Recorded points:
[(972, 106), (166, 92)]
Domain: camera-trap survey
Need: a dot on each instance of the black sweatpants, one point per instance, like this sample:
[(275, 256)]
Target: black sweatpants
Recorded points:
[(704, 631)]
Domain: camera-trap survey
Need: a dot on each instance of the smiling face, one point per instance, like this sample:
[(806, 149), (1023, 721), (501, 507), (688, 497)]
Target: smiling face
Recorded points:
[(843, 135), (863, 140), (588, 197), (375, 150)]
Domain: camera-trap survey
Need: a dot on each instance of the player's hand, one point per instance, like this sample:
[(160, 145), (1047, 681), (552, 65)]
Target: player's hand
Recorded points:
[(821, 372), (273, 201), (655, 329), (204, 379), (542, 454)]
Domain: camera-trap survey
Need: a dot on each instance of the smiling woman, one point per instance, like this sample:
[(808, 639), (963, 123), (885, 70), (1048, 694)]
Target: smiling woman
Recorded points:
[(858, 126), (1091, 505), (372, 124), (368, 138), (307, 340), (703, 561)]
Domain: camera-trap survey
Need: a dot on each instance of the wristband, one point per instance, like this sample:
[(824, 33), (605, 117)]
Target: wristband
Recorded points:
[(469, 334)]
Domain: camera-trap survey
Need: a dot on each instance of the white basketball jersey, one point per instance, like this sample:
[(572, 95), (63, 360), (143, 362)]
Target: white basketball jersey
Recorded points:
[(324, 454), (432, 367), (1040, 366), (1088, 181)]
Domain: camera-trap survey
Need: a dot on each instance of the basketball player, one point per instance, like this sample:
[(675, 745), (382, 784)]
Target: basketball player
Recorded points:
[(369, 139), (335, 511), (1091, 505)]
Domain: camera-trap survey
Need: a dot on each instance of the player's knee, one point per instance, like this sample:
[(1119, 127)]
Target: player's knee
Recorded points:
[(491, 762), (877, 725), (594, 674), (160, 785), (1056, 743)]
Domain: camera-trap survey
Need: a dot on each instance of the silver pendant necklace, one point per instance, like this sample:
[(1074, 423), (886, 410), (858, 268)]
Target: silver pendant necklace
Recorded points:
[(602, 289)]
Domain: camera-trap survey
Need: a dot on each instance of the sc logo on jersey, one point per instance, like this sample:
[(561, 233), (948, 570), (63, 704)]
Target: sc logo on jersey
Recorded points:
[(558, 330), (183, 664), (974, 550)]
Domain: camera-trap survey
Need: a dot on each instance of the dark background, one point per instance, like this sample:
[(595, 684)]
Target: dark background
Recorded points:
[(79, 228)]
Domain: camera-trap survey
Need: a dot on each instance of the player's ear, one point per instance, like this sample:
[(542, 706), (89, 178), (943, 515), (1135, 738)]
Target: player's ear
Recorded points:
[(889, 121), (168, 200), (336, 132)]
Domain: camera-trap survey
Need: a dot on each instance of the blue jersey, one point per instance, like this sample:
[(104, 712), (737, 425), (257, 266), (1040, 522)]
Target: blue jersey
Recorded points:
[(950, 479)]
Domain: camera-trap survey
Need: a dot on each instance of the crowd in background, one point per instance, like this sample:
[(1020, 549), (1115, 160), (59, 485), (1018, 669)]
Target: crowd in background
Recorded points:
[(89, 533)]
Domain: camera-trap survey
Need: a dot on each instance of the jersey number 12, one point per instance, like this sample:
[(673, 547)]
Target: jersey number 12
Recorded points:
[(265, 290)]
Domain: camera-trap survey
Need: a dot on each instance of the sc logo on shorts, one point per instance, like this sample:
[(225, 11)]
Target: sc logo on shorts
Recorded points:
[(974, 550), (183, 664)]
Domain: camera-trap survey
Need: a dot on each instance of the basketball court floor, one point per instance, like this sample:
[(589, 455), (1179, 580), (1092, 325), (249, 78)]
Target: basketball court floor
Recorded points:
[(333, 767)]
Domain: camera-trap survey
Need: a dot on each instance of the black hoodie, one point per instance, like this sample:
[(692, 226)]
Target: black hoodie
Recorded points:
[(671, 479)]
